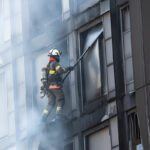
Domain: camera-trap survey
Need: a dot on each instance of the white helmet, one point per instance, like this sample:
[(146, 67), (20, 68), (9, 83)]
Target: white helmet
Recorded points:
[(54, 52)]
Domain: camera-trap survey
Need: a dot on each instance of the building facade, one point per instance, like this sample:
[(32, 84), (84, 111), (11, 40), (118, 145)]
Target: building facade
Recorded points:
[(106, 95)]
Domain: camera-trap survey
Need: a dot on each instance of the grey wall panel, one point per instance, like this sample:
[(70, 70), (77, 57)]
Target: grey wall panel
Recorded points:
[(87, 16), (145, 4), (148, 102), (142, 115), (85, 4), (137, 43)]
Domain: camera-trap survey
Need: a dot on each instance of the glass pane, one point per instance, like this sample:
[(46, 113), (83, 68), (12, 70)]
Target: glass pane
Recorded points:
[(20, 70), (109, 53), (65, 5), (6, 9), (129, 70), (16, 6), (126, 19), (111, 79), (127, 44), (18, 25), (114, 131), (91, 73), (9, 77), (11, 124), (3, 107), (21, 95), (107, 25), (10, 96), (7, 30), (9, 83), (22, 118), (100, 140), (92, 36)]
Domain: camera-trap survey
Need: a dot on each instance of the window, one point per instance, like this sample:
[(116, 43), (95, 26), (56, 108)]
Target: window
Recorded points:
[(91, 64), (134, 131), (5, 26), (65, 9), (17, 16), (3, 106), (21, 96), (114, 133), (10, 98), (110, 89), (127, 48), (99, 140)]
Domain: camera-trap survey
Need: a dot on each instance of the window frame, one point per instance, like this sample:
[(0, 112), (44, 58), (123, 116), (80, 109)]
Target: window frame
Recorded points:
[(3, 72), (91, 131), (65, 14), (127, 83), (5, 17), (86, 107)]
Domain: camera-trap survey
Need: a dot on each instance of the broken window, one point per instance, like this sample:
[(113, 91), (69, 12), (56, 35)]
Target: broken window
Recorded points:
[(134, 131), (91, 64), (127, 48)]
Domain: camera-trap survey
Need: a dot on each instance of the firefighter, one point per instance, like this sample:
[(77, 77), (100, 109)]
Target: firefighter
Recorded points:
[(52, 81)]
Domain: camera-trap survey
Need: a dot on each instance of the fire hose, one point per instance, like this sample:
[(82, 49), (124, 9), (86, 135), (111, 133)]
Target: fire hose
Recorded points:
[(79, 59)]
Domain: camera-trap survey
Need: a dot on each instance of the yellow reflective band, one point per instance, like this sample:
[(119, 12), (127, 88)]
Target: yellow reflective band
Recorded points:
[(57, 68), (64, 69), (45, 111), (57, 53), (52, 72), (58, 108)]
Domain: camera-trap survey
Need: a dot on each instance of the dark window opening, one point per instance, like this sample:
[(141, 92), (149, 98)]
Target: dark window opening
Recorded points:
[(91, 65), (134, 131)]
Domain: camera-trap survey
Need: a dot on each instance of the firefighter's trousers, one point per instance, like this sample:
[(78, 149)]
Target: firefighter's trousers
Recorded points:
[(55, 96)]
